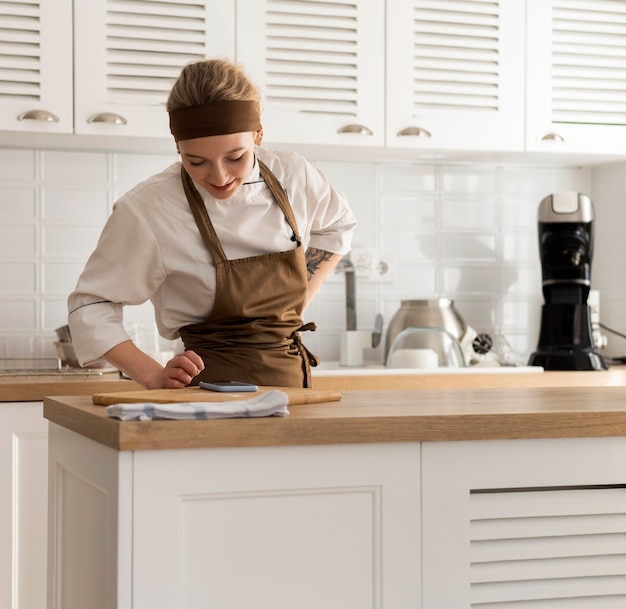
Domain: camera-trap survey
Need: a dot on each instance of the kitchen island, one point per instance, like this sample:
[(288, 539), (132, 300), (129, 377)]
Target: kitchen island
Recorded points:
[(23, 477), (396, 499)]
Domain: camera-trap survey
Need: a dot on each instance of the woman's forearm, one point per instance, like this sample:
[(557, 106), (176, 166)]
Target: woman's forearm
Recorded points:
[(319, 264), (133, 362)]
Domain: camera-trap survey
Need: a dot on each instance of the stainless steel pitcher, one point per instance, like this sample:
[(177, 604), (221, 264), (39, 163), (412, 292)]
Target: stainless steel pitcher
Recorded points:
[(437, 313)]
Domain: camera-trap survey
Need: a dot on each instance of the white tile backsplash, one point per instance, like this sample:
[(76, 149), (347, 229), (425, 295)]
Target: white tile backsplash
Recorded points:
[(475, 246), (464, 231), (397, 211), (19, 315), (466, 179), (75, 206), (74, 167), (18, 165), (18, 240), (17, 202), (468, 213), (407, 177)]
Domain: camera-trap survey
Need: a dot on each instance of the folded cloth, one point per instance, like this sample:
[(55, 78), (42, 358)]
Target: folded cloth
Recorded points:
[(273, 403)]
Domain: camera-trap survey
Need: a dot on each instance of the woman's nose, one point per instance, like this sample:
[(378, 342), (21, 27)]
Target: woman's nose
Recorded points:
[(218, 175)]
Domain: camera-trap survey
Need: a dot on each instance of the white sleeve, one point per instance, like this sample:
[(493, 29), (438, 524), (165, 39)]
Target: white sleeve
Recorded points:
[(331, 222), (125, 268)]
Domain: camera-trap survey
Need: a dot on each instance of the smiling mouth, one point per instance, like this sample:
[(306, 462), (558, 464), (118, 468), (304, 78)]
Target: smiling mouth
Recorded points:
[(222, 188)]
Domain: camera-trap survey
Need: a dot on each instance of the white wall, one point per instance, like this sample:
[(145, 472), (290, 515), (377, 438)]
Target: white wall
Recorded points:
[(464, 231), (608, 186)]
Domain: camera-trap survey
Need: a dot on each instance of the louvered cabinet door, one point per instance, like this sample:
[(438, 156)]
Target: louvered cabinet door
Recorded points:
[(576, 92), (455, 74), (524, 524), (129, 52), (36, 66), (320, 67)]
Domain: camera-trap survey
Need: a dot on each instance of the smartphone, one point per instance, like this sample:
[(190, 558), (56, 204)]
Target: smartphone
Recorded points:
[(228, 386)]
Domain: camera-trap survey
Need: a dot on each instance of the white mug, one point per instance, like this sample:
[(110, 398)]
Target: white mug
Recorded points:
[(413, 358)]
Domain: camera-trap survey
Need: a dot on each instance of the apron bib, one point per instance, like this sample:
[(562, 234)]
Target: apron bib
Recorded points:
[(252, 333)]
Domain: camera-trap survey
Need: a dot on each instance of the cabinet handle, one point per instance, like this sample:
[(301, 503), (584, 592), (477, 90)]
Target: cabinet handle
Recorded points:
[(354, 128), (107, 117), (38, 115), (413, 132), (552, 137)]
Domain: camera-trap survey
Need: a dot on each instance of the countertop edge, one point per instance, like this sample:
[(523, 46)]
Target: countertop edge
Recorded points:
[(366, 417)]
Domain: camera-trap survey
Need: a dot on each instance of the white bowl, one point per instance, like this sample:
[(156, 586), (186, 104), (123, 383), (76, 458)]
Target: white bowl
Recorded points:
[(425, 348)]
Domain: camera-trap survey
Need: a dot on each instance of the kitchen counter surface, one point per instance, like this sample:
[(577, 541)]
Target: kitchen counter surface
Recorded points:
[(366, 416), (34, 388), (375, 379)]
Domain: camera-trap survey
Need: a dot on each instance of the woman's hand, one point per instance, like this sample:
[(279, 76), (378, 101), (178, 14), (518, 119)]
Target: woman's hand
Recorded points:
[(181, 369), (140, 367)]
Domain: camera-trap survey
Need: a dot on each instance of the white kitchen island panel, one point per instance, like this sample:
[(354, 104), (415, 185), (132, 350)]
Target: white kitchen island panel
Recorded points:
[(524, 524), (89, 524), (273, 527)]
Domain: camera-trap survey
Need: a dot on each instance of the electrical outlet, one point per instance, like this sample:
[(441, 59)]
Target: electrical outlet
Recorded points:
[(364, 261), (368, 266)]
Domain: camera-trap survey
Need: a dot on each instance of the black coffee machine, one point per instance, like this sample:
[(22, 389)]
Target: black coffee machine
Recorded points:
[(565, 248)]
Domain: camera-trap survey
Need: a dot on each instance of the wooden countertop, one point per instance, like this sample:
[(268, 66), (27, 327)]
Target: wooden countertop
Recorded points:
[(35, 388), (368, 417), (614, 377)]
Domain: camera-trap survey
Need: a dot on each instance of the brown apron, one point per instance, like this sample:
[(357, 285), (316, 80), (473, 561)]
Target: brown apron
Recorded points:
[(252, 333)]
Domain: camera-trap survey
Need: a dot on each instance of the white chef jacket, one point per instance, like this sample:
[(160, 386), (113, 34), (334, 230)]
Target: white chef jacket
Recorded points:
[(151, 248)]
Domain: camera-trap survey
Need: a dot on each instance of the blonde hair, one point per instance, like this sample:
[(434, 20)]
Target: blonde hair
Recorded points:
[(209, 81)]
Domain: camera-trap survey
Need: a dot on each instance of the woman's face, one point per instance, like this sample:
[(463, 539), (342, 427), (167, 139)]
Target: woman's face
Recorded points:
[(220, 163)]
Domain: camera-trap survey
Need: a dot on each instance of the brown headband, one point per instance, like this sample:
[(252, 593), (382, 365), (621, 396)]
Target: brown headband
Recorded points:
[(218, 118)]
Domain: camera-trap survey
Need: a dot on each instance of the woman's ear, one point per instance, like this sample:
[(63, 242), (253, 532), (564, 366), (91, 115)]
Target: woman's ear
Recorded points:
[(258, 137)]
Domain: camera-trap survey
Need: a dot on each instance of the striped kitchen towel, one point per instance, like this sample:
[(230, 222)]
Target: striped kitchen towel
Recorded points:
[(273, 403)]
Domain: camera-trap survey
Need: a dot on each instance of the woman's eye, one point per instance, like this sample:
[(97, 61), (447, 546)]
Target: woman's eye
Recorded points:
[(195, 163), (237, 159)]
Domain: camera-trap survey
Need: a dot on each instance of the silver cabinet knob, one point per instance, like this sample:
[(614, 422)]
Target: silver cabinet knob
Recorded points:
[(107, 117), (354, 128), (552, 137), (38, 115), (413, 132)]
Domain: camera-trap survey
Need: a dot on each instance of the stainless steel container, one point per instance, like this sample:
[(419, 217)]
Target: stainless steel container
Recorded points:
[(437, 313)]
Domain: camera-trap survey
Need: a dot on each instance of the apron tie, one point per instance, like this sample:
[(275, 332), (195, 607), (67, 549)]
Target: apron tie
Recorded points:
[(309, 360)]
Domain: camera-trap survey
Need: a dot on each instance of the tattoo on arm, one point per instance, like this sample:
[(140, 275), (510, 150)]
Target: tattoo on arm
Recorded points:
[(314, 258)]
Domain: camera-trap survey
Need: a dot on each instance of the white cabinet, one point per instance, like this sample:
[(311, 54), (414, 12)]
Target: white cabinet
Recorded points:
[(524, 523), (575, 98), (320, 66), (103, 67), (129, 52), (507, 76), (314, 527), (23, 505), (36, 66), (455, 75)]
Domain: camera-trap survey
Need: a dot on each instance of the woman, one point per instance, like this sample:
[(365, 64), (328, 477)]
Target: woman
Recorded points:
[(217, 243)]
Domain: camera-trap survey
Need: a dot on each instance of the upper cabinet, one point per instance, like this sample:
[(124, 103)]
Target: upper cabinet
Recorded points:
[(575, 94), (103, 67), (455, 74), (129, 52), (432, 75), (36, 66), (320, 66)]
